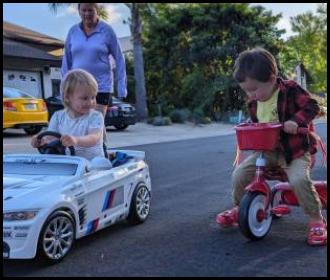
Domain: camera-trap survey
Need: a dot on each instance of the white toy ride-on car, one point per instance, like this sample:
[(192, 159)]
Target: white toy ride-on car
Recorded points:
[(50, 200)]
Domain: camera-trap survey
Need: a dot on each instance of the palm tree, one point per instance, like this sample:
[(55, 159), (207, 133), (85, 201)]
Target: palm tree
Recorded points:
[(140, 89), (136, 30)]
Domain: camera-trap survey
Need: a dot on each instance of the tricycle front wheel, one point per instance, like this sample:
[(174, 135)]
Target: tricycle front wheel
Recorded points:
[(254, 220)]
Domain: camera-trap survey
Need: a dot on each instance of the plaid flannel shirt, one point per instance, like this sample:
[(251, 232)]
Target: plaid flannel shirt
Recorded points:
[(294, 103)]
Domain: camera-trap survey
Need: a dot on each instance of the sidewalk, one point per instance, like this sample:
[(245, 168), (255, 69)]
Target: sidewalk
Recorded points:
[(142, 133)]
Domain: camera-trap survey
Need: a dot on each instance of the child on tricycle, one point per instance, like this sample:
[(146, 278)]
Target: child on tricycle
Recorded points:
[(271, 99)]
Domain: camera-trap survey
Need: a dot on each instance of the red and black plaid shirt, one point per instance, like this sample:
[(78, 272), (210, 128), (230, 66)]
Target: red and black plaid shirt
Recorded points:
[(294, 103)]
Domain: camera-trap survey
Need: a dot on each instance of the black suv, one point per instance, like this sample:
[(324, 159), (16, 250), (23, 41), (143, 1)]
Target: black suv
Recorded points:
[(120, 114)]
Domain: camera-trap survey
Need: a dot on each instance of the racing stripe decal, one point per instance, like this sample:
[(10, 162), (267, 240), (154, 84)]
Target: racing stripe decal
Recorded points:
[(108, 202), (92, 226)]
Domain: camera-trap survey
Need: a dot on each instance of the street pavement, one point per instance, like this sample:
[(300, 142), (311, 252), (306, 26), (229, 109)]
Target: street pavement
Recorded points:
[(191, 184)]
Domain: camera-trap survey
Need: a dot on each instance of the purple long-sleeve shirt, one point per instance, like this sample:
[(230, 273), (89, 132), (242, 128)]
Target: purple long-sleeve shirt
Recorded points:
[(92, 53)]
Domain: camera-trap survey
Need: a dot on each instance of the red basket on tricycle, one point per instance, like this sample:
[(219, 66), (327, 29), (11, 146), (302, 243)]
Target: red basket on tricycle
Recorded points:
[(258, 136)]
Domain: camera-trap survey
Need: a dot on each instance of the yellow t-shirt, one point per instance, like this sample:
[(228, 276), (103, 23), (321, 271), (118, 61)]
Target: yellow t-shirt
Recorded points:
[(267, 110)]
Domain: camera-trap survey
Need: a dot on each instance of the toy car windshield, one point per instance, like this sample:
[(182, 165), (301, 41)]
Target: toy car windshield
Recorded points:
[(40, 168)]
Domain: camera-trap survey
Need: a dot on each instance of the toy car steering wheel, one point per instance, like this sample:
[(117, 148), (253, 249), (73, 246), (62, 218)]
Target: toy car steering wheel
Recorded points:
[(54, 147)]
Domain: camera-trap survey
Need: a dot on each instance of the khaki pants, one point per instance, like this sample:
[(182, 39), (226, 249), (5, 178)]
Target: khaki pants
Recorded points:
[(298, 172)]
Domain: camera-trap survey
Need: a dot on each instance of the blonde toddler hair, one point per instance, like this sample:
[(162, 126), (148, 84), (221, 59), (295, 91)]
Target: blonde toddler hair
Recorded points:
[(72, 79)]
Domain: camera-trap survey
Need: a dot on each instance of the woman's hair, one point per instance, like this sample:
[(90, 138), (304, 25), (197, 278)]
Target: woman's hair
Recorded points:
[(257, 64), (74, 78), (94, 4)]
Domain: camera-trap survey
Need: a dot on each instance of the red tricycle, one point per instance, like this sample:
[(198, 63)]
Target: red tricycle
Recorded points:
[(261, 203)]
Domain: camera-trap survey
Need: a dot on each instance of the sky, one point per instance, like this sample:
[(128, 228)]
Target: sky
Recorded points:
[(38, 17)]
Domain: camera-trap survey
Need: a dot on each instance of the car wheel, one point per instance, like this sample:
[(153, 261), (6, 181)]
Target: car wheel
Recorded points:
[(140, 205), (57, 237), (121, 126), (33, 130)]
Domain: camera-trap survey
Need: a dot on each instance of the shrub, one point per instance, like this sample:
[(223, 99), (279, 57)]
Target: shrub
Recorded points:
[(179, 115), (160, 121), (150, 120), (167, 121), (197, 116), (206, 120)]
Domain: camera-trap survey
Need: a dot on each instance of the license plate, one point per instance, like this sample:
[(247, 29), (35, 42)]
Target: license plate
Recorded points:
[(30, 106)]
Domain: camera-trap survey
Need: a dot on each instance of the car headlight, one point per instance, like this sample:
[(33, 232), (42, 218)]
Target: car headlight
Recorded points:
[(20, 215)]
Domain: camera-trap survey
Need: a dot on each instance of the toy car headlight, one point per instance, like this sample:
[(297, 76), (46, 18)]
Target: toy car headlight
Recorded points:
[(20, 215)]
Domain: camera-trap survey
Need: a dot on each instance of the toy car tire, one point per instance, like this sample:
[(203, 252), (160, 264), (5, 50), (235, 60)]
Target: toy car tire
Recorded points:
[(57, 238), (140, 205)]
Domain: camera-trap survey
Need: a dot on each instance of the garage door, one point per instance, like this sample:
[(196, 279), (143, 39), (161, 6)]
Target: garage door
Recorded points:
[(26, 81)]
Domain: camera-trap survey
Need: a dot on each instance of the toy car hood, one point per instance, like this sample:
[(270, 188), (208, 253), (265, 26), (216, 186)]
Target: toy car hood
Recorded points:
[(22, 191)]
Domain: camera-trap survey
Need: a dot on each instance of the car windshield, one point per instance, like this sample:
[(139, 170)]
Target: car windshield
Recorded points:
[(41, 168), (9, 92)]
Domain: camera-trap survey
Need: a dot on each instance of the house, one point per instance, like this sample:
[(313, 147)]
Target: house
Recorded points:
[(301, 76), (126, 44), (28, 57), (32, 61)]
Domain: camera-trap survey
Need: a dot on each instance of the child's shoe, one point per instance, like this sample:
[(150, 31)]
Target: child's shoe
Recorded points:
[(317, 233), (228, 218)]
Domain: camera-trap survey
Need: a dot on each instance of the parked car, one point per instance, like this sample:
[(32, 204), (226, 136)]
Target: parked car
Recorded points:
[(49, 201), (21, 110), (120, 114), (54, 103)]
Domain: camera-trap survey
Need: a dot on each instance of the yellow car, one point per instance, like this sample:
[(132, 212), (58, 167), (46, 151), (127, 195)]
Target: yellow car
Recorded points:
[(21, 110)]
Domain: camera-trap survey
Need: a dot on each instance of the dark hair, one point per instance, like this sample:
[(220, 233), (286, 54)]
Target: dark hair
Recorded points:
[(258, 64)]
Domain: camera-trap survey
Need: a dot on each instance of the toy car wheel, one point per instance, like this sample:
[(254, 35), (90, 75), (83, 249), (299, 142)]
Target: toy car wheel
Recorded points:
[(57, 237), (254, 221), (140, 205)]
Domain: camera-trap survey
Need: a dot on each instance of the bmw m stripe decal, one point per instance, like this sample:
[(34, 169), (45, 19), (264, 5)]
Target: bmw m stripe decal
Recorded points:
[(108, 202), (92, 226)]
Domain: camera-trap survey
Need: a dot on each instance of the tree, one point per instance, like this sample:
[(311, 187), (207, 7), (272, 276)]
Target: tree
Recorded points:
[(140, 89), (136, 29), (190, 50), (309, 46)]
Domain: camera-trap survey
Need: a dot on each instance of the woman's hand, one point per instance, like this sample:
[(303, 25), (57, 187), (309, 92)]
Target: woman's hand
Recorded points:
[(290, 127), (68, 140)]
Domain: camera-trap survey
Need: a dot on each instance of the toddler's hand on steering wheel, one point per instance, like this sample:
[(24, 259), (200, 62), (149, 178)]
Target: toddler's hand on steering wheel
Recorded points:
[(69, 140)]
